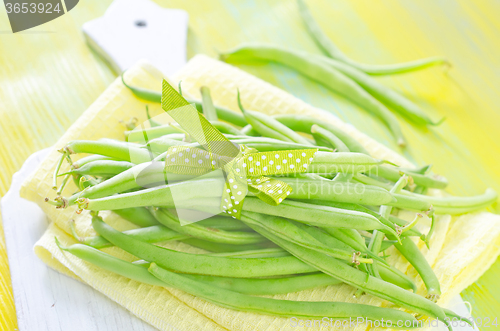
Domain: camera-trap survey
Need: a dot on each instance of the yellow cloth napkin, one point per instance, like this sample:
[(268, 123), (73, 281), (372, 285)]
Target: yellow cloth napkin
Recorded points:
[(461, 249)]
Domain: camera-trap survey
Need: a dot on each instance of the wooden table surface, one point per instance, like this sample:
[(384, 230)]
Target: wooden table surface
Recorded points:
[(48, 77)]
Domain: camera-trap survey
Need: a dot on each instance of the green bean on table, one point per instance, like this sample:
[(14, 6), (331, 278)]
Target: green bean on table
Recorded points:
[(324, 74), (331, 50)]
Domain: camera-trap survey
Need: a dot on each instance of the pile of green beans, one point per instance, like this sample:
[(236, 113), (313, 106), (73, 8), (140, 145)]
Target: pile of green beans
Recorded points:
[(334, 227)]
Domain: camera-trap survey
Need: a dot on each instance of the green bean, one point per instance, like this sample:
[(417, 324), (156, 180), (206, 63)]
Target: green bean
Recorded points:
[(359, 279), (160, 196), (111, 263), (385, 210), (289, 308), (269, 127), (393, 174), (269, 286), (150, 234), (314, 214), (385, 244), (304, 123), (409, 202), (263, 145), (461, 205), (242, 285), (330, 140), (388, 273), (210, 234), (410, 233), (138, 216), (265, 252), (329, 48), (142, 175), (323, 74), (224, 114), (396, 277), (249, 131), (410, 251), (292, 231), (226, 128), (56, 171), (87, 159), (355, 207), (152, 133), (151, 121), (208, 105), (396, 101), (325, 190), (325, 163), (101, 168), (224, 223), (114, 149), (227, 248), (201, 264)]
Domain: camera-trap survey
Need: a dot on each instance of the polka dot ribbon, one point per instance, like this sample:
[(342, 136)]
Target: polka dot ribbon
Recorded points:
[(245, 168)]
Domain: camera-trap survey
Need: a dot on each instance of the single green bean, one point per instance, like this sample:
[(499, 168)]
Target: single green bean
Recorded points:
[(331, 50), (265, 252), (323, 216), (210, 234), (151, 121), (269, 286), (101, 168), (289, 308), (329, 138), (304, 123), (142, 175), (323, 74), (249, 131), (201, 264), (208, 105), (87, 159), (293, 231), (391, 98), (267, 126)]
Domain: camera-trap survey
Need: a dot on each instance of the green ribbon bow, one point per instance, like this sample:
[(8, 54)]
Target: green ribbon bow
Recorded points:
[(245, 168)]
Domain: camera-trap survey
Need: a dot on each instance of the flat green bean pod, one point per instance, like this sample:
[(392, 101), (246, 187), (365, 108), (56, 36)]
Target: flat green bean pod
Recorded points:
[(322, 135)]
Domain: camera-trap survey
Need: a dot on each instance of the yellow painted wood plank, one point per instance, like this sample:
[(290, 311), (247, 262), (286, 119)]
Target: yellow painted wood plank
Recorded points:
[(48, 79)]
